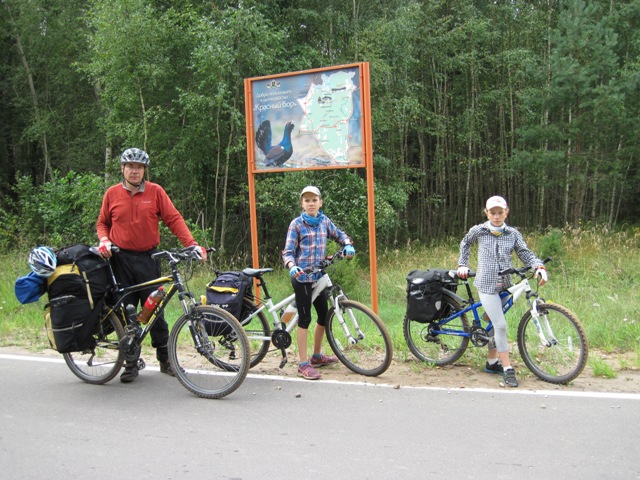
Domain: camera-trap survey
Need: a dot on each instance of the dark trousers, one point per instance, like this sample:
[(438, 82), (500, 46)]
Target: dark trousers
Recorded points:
[(303, 302), (131, 268)]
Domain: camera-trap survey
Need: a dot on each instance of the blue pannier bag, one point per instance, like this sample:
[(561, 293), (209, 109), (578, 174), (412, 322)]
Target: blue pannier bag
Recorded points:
[(30, 288)]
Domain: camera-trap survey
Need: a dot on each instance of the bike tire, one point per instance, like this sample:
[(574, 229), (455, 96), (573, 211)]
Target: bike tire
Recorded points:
[(203, 358), (372, 352), (438, 348), (100, 364), (566, 357), (259, 327)]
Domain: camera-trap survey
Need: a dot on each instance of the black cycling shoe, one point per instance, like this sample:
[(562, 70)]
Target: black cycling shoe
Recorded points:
[(165, 367), (495, 368), (130, 373)]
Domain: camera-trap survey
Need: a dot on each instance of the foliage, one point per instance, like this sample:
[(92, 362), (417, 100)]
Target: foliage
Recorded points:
[(536, 101), (61, 212), (551, 244)]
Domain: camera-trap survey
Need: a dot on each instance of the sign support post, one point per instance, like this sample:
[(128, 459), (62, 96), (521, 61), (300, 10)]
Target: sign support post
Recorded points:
[(331, 109)]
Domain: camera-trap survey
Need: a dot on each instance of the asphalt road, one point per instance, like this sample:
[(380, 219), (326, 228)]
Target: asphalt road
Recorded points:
[(54, 426)]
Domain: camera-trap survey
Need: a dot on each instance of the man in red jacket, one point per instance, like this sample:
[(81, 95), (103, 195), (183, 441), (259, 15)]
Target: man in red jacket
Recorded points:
[(129, 217)]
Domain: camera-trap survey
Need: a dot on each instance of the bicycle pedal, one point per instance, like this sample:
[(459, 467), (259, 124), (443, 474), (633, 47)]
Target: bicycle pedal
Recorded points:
[(140, 364), (284, 360)]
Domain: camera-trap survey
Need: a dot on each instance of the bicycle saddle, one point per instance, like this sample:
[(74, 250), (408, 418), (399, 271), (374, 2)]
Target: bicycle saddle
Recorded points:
[(254, 272)]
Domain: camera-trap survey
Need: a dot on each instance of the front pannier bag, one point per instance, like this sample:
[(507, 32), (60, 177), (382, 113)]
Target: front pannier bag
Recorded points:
[(424, 293)]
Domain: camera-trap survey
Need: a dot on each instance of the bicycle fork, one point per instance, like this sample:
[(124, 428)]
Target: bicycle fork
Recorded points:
[(338, 311), (544, 340)]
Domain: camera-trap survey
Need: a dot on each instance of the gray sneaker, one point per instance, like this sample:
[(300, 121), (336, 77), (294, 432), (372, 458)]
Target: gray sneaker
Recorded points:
[(509, 377)]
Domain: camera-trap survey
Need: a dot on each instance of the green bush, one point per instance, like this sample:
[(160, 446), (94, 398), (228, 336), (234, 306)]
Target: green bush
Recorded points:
[(61, 212), (550, 245)]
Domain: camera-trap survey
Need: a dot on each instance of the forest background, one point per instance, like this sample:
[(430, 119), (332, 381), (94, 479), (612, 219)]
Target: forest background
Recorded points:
[(534, 100)]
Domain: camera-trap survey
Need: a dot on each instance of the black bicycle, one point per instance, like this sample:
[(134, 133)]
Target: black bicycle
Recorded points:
[(208, 348)]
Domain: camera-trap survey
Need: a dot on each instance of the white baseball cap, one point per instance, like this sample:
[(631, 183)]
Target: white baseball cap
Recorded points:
[(310, 189), (496, 201)]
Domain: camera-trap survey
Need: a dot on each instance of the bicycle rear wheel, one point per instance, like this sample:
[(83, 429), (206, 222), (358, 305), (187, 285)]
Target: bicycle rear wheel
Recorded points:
[(564, 354), (258, 326), (362, 344), (438, 348), (101, 363), (209, 351)]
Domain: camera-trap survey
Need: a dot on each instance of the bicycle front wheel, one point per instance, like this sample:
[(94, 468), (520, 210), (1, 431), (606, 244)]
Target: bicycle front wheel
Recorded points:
[(440, 342), (101, 363), (554, 348), (209, 351), (362, 342), (257, 326)]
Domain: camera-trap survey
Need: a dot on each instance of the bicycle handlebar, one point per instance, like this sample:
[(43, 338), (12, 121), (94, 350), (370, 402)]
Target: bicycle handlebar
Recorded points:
[(175, 256), (114, 249), (522, 272), (323, 264)]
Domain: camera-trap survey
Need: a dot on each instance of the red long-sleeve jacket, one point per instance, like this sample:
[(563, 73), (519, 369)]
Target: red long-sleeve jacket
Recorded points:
[(132, 221)]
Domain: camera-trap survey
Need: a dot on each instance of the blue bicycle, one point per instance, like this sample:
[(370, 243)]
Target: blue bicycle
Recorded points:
[(551, 340)]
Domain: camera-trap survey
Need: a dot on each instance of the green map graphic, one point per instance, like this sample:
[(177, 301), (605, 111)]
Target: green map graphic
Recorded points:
[(327, 107)]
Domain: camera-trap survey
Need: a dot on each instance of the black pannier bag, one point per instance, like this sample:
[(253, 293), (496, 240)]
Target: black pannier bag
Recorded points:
[(424, 293), (227, 291), (92, 268), (76, 291)]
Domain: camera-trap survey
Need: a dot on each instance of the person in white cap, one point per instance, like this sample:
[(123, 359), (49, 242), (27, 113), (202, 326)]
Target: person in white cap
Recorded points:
[(306, 245), (496, 242)]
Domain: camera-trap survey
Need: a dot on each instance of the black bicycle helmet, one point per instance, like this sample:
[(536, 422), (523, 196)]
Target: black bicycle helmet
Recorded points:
[(134, 155)]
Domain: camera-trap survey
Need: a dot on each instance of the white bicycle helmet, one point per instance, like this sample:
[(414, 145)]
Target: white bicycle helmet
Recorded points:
[(42, 261), (134, 155)]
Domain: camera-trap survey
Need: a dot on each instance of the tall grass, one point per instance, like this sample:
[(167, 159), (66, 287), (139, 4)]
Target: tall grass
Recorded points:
[(594, 273)]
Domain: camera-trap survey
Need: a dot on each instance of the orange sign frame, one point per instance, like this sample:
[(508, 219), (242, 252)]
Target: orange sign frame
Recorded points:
[(272, 101)]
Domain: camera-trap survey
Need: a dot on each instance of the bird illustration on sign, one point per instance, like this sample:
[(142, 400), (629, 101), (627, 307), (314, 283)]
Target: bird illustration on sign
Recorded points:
[(275, 155)]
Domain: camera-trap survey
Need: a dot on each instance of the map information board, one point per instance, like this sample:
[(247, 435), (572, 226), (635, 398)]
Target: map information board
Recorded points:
[(308, 120)]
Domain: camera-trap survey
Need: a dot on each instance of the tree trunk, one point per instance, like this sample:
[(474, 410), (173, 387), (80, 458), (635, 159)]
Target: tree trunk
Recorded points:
[(226, 182), (48, 173), (216, 180)]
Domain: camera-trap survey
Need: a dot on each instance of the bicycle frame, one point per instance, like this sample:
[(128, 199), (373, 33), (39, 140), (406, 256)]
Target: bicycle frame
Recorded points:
[(320, 285), (509, 297), (122, 293), (282, 341)]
